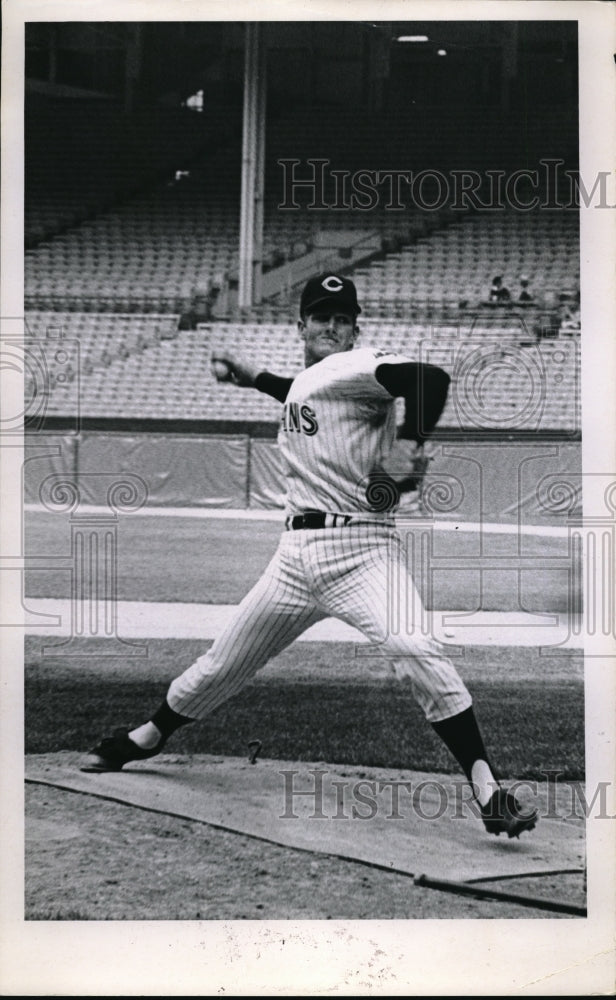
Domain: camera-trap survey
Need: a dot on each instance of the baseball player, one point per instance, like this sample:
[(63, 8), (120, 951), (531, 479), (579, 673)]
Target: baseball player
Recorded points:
[(339, 551)]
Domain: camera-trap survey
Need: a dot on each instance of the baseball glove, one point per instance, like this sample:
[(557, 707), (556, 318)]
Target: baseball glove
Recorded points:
[(402, 474), (407, 466)]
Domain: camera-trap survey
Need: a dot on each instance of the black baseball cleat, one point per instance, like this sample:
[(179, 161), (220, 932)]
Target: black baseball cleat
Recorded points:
[(114, 751), (504, 814)]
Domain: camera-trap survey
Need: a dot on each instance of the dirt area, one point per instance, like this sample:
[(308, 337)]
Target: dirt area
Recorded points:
[(92, 859)]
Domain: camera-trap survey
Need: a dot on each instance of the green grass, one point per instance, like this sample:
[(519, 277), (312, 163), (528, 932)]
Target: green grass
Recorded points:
[(531, 720)]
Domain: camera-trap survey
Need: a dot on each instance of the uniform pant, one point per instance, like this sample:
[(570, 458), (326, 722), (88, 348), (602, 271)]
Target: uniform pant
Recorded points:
[(357, 574)]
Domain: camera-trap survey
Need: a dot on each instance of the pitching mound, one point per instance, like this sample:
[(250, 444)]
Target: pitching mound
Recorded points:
[(409, 822)]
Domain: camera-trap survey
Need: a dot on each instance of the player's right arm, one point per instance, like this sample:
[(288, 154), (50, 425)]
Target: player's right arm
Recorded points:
[(229, 368)]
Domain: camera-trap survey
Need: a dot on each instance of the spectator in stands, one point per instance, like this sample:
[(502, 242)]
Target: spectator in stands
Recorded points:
[(498, 292), (569, 313), (525, 295)]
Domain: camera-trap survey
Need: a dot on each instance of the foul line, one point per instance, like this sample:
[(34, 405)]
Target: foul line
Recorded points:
[(238, 514)]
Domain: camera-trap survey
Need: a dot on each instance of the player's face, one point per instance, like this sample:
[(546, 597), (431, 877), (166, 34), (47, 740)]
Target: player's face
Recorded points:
[(326, 331)]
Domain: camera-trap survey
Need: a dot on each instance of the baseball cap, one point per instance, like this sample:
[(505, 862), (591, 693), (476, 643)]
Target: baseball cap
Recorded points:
[(330, 289)]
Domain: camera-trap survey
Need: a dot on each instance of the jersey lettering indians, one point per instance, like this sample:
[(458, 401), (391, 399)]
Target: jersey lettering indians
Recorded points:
[(338, 425)]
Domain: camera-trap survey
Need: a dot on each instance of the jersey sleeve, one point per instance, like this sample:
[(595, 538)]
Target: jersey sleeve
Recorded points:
[(274, 385), (356, 372), (424, 388)]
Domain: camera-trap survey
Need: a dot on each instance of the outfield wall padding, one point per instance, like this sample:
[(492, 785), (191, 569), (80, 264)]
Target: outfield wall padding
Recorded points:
[(498, 481), (45, 456), (178, 470), (267, 485), (467, 480)]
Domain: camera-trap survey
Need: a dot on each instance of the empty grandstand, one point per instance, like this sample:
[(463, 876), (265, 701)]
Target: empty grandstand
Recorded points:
[(134, 232)]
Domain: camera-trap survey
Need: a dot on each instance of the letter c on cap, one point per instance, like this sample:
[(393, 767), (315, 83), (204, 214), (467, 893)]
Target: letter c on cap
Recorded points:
[(332, 284)]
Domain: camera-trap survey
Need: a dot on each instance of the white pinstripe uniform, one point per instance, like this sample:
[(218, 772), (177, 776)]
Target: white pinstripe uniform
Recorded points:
[(338, 425)]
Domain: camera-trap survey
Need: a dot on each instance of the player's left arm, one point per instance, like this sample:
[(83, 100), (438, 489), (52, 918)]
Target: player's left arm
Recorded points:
[(424, 389)]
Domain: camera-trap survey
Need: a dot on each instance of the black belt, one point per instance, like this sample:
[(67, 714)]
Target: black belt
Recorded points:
[(316, 519)]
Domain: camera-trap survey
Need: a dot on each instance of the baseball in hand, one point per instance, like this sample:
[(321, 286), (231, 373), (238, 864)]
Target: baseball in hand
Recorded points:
[(221, 370)]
